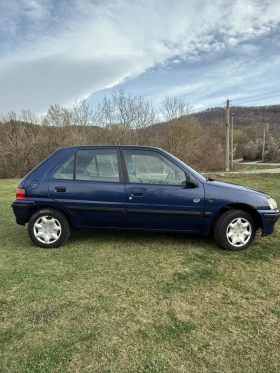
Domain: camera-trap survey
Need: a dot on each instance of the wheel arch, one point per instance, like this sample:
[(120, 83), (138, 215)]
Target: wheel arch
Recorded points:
[(238, 206), (36, 208)]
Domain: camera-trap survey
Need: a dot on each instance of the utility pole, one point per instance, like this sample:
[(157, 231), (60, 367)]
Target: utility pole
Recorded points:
[(227, 137), (263, 147), (231, 142)]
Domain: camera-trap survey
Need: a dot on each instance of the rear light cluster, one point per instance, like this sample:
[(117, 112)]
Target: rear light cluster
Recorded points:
[(20, 194)]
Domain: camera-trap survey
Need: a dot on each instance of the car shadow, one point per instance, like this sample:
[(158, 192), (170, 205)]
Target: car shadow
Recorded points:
[(141, 238)]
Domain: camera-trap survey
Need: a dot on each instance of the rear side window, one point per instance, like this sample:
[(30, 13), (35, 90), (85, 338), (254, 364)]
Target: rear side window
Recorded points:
[(91, 165), (66, 170), (97, 165)]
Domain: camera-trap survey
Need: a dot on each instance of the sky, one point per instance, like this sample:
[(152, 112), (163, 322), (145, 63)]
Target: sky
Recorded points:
[(202, 52)]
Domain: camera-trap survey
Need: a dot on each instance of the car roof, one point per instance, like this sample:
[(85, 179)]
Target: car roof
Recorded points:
[(110, 146)]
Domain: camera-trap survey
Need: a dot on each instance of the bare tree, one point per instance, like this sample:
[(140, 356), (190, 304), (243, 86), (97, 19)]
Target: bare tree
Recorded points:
[(26, 139), (173, 108), (124, 117), (19, 143), (81, 117)]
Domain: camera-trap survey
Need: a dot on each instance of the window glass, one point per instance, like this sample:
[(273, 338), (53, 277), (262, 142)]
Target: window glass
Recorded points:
[(97, 165), (150, 167), (197, 174), (66, 170)]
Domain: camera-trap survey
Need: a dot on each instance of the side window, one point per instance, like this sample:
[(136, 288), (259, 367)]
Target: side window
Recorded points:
[(97, 165), (66, 170), (149, 167)]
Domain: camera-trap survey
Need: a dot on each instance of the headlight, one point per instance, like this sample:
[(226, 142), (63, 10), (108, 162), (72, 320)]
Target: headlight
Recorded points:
[(272, 203)]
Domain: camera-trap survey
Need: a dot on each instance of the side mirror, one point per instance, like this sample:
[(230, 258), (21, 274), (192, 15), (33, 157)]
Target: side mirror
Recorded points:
[(190, 181)]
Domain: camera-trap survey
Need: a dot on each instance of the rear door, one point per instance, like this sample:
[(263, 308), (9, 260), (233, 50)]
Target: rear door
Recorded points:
[(157, 194), (90, 184)]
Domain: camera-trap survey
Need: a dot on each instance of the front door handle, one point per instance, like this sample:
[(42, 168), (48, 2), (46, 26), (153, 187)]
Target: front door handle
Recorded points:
[(137, 193), (60, 189)]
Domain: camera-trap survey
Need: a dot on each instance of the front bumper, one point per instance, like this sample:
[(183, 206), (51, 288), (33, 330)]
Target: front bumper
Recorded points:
[(21, 210), (269, 219), (272, 216)]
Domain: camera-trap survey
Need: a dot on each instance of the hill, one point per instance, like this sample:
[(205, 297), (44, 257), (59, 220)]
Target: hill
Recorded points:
[(243, 116)]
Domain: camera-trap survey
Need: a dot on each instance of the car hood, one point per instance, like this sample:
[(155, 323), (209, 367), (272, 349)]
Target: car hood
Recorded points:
[(224, 184)]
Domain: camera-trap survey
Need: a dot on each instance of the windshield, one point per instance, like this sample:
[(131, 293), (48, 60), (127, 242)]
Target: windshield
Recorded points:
[(194, 172)]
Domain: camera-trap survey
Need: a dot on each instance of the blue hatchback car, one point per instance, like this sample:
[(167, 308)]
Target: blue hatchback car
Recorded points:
[(136, 188)]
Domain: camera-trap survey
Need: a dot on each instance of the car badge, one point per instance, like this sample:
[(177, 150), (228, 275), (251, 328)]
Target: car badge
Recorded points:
[(196, 200)]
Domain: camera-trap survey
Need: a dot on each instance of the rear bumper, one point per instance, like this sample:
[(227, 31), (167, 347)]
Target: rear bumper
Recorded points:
[(21, 209), (269, 219)]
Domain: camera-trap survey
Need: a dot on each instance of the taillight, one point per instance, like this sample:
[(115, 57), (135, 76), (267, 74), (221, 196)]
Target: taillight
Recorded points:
[(20, 194)]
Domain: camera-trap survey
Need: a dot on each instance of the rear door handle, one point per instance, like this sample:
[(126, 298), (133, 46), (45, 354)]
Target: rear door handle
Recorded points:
[(60, 189), (137, 193)]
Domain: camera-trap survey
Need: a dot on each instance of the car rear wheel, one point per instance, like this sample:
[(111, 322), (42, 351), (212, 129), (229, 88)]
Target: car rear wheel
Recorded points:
[(48, 228), (235, 230)]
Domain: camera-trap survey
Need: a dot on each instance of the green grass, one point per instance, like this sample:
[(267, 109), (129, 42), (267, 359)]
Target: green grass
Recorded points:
[(109, 302), (239, 167), (253, 167)]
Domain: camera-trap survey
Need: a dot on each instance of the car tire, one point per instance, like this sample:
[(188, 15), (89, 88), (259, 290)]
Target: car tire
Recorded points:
[(235, 230), (48, 228)]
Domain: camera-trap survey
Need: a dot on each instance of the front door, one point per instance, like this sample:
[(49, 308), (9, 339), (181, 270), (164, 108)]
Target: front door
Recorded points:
[(157, 193), (90, 185)]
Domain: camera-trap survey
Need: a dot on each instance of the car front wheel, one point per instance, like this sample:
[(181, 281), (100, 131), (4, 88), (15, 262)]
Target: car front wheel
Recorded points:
[(235, 230), (48, 228)]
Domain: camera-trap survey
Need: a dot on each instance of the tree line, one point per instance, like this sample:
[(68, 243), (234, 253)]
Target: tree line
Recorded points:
[(249, 124), (26, 139)]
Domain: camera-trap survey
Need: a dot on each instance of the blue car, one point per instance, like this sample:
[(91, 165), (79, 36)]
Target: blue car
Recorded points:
[(136, 188)]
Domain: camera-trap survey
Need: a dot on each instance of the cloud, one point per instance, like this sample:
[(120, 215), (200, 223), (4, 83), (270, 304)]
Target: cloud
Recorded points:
[(59, 51), (56, 79)]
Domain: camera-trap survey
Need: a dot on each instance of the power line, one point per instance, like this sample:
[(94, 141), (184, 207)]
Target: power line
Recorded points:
[(222, 105), (246, 102), (261, 94), (260, 99), (201, 111), (207, 109), (241, 99)]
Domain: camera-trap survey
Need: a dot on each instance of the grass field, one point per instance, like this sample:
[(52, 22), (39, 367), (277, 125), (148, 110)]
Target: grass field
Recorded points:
[(253, 167), (242, 167), (138, 303)]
